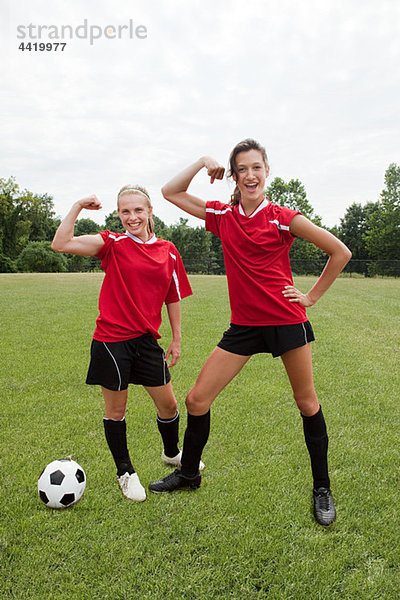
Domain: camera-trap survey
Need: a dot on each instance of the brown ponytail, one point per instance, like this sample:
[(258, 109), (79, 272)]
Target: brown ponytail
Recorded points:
[(235, 198)]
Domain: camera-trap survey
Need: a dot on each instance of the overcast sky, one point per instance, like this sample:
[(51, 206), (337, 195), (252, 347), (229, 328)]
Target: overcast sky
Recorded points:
[(316, 82)]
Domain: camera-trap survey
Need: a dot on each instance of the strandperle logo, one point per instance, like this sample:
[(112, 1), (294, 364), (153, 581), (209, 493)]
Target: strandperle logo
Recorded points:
[(85, 31)]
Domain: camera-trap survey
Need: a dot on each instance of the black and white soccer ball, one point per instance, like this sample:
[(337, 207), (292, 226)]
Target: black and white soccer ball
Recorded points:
[(61, 484)]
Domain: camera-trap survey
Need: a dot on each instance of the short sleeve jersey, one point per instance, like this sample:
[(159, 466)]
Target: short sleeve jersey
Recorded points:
[(256, 253), (139, 278)]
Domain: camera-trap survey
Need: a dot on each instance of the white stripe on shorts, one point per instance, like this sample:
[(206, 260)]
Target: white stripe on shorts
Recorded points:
[(116, 365), (305, 333), (165, 374)]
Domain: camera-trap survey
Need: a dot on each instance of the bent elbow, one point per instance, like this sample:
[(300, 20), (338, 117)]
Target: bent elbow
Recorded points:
[(345, 257), (164, 191), (56, 246)]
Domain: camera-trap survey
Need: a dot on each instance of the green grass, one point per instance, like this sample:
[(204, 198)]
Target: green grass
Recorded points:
[(248, 533)]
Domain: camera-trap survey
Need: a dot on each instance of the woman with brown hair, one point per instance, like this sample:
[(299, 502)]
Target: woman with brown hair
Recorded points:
[(268, 312)]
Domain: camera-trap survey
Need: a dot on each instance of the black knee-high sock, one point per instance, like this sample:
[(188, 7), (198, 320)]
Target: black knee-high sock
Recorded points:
[(317, 443), (116, 438), (169, 430), (196, 436)]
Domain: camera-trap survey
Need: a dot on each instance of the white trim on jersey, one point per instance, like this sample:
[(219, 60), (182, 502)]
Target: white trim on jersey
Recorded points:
[(263, 204), (175, 276), (280, 226), (151, 240), (218, 212), (116, 239)]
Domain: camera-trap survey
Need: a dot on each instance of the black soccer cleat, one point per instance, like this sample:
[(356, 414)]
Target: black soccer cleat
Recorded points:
[(324, 507), (175, 481)]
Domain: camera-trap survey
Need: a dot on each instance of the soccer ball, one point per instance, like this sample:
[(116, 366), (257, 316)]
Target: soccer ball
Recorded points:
[(61, 484)]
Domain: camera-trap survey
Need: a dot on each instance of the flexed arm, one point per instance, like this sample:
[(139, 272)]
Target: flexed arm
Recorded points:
[(175, 191), (83, 245)]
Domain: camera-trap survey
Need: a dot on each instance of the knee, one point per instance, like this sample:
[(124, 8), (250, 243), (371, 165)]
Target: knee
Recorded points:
[(170, 409), (115, 413), (307, 403), (196, 404)]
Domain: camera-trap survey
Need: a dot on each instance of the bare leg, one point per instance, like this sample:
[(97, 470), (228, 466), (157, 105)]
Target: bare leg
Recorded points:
[(298, 365), (164, 399), (218, 370), (115, 404)]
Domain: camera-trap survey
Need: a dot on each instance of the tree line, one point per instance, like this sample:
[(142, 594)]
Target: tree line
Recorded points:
[(372, 232)]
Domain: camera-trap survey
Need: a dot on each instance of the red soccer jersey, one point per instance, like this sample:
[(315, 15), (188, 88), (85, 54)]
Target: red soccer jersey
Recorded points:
[(140, 277), (256, 252)]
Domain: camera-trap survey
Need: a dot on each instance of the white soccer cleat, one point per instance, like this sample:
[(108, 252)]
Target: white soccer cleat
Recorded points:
[(131, 487), (175, 461)]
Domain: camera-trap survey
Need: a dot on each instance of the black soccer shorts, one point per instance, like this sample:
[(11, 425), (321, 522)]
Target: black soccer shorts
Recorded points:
[(114, 365), (274, 339)]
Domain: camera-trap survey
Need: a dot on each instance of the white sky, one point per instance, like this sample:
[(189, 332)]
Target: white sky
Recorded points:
[(317, 82)]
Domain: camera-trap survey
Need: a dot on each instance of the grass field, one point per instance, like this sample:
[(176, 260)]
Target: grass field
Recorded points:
[(248, 533)]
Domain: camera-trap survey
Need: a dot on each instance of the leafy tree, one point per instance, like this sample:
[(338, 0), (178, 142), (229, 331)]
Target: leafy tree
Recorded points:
[(160, 228), (334, 230), (113, 223), (11, 229), (82, 264), (305, 258), (199, 256), (353, 228), (86, 226), (216, 264), (179, 234), (293, 195), (38, 257), (6, 264), (24, 217), (193, 244), (39, 212), (382, 237)]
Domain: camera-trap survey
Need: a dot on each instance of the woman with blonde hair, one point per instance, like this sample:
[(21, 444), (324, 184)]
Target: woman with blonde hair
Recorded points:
[(142, 273)]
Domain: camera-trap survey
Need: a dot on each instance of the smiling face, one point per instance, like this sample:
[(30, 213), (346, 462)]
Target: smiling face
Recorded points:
[(134, 210), (250, 174)]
